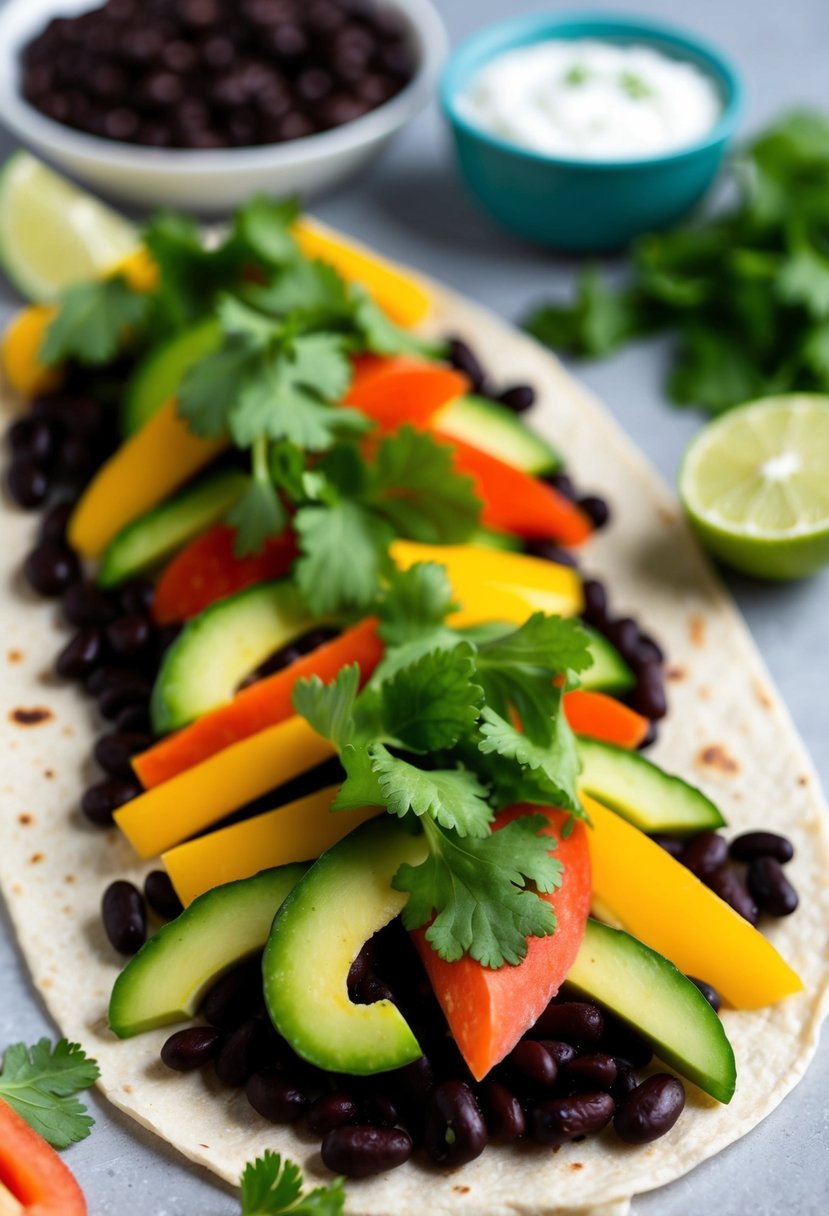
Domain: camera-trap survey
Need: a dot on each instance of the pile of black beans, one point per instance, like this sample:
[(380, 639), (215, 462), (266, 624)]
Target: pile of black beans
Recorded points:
[(747, 872), (571, 1076), (217, 73)]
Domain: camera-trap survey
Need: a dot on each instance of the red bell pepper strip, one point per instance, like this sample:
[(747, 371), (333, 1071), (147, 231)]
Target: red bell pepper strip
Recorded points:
[(399, 390), (207, 570), (599, 716), (516, 502), (32, 1172), (488, 1011), (263, 704)]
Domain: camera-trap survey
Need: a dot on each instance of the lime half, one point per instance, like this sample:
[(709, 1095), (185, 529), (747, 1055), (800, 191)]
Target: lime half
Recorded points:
[(52, 233), (755, 484)]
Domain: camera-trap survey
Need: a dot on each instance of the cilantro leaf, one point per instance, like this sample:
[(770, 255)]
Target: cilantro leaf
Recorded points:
[(191, 274), (415, 603), (92, 320), (380, 334), (596, 323), (712, 371), (476, 887), (361, 786), (329, 708), (40, 1082), (273, 1186), (804, 279), (307, 287), (454, 798), (257, 514), (414, 485), (208, 390), (263, 228), (344, 552), (433, 702), (557, 759)]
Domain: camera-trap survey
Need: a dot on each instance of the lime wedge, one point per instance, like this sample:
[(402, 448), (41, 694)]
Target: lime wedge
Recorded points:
[(755, 484), (52, 233)]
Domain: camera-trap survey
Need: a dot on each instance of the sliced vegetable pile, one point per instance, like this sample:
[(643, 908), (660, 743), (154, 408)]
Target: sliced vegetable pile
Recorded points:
[(359, 684)]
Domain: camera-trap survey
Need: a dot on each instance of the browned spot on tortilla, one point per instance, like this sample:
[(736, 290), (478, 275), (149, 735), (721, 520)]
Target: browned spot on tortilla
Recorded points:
[(68, 910), (17, 889), (47, 983), (803, 781), (14, 656), (68, 732), (70, 878), (204, 1146), (676, 672), (25, 819), (666, 515), (459, 1189), (127, 1089), (696, 629), (762, 696), (30, 717), (49, 774), (715, 756), (35, 859), (576, 1165), (704, 692)]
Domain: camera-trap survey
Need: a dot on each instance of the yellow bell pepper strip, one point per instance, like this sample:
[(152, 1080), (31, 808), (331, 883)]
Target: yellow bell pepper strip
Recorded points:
[(494, 586), (139, 270), (396, 291), (201, 796), (299, 831), (22, 341), (667, 907), (142, 473)]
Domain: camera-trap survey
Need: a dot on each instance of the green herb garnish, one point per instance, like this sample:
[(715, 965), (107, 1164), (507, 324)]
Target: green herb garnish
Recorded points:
[(40, 1082), (273, 1186)]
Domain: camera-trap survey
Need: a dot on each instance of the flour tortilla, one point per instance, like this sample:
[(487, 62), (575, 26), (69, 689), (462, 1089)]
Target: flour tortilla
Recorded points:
[(727, 731)]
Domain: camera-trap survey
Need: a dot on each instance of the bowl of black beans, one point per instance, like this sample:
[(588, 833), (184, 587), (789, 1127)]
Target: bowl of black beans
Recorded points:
[(200, 103)]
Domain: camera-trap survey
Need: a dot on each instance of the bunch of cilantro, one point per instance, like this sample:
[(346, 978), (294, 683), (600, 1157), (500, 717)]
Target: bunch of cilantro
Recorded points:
[(434, 738), (745, 290), (289, 326)]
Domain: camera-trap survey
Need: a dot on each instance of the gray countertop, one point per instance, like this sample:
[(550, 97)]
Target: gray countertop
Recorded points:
[(410, 206)]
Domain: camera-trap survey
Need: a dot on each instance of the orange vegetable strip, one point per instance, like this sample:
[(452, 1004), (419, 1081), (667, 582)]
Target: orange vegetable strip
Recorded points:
[(255, 708), (398, 390), (33, 1173), (599, 716)]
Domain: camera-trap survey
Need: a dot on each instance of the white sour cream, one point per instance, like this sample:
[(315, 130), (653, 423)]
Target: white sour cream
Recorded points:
[(592, 100)]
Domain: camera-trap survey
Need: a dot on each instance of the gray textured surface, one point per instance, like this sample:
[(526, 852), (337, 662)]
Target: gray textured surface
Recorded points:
[(411, 206)]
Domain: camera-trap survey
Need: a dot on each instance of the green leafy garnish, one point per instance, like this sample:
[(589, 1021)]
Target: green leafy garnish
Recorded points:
[(92, 321), (40, 1082), (273, 1186)]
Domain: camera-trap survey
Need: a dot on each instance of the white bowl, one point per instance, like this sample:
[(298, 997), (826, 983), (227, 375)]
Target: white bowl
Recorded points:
[(210, 181)]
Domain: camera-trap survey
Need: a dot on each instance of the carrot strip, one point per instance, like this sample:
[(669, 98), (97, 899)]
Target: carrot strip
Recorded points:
[(399, 390), (599, 716)]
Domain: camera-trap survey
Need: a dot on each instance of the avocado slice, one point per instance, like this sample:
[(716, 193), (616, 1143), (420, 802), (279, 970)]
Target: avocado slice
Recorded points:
[(219, 647), (161, 371), (160, 532), (496, 429), (343, 900), (641, 792), (609, 672), (170, 974), (650, 994)]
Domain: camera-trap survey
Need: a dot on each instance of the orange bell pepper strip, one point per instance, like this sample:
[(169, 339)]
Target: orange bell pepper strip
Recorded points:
[(598, 716), (33, 1179), (401, 389), (488, 1011), (208, 569), (261, 705), (516, 502)]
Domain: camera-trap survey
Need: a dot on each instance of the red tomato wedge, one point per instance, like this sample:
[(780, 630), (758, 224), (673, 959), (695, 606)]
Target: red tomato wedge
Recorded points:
[(516, 502), (263, 704), (32, 1172), (488, 1011), (399, 390), (207, 570), (599, 716)]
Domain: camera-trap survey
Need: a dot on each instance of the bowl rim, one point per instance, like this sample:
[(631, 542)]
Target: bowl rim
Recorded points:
[(528, 29), (20, 20)]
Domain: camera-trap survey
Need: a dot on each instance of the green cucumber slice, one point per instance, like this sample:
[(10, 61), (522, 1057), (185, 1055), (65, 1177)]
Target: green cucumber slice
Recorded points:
[(499, 431), (641, 792), (170, 974), (610, 672), (161, 371), (155, 536)]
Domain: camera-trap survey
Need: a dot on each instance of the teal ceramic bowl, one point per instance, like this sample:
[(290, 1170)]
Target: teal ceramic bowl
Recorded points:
[(585, 205)]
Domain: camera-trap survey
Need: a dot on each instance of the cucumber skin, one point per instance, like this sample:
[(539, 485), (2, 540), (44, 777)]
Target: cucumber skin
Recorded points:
[(619, 677), (178, 354), (468, 416)]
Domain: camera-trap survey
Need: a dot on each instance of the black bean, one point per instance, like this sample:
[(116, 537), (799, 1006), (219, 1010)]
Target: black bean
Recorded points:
[(557, 1120), (708, 991), (27, 483), (167, 635), (648, 650), (81, 654), (85, 604), (378, 1110), (519, 397), (561, 482), (531, 1059), (750, 845), (650, 1110), (274, 1096), (704, 854), (649, 738), (53, 527), (592, 1071), (454, 1128), (621, 1040), (503, 1113), (596, 510), (50, 568), (462, 357), (114, 677), (625, 1081), (362, 966), (43, 441), (562, 1053), (100, 801), (648, 696), (595, 602), (771, 888), (74, 413), (413, 1081), (730, 887), (129, 636), (241, 1053), (160, 894), (332, 1110), (134, 718), (113, 752), (117, 697), (359, 1152), (549, 552), (136, 596), (371, 989), (624, 634), (124, 917), (671, 844), (191, 1048), (575, 1022), (19, 435), (235, 996)]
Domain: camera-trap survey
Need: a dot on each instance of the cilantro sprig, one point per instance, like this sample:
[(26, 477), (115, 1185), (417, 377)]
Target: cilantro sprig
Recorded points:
[(274, 1186), (40, 1084)]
